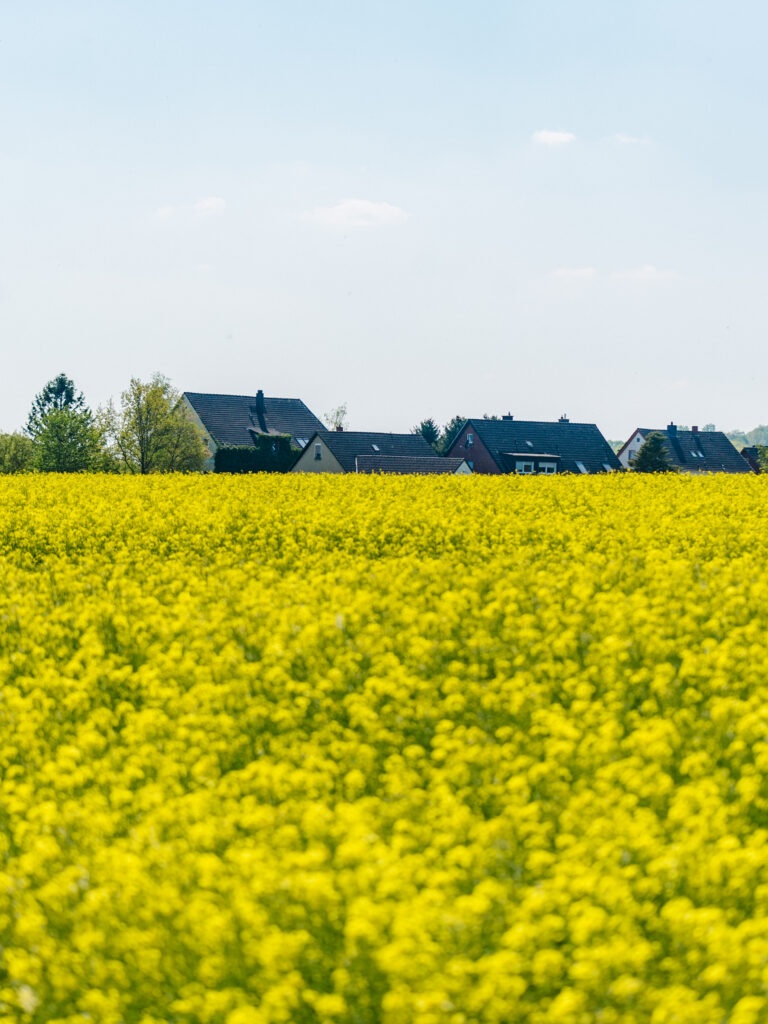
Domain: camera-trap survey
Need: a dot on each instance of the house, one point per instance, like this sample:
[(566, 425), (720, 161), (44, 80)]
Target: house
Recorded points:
[(411, 464), (347, 451), (689, 451), (245, 422), (530, 447), (752, 455)]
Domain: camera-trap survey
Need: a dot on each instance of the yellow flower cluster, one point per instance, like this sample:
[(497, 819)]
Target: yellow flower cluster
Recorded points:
[(378, 750)]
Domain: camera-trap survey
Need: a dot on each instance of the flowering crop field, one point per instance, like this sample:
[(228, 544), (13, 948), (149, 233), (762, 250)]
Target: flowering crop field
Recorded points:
[(377, 750)]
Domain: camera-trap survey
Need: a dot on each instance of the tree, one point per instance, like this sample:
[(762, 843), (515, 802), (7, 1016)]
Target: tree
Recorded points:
[(337, 418), (58, 393), (67, 441), (652, 456), (430, 431), (151, 432), (17, 453), (450, 430)]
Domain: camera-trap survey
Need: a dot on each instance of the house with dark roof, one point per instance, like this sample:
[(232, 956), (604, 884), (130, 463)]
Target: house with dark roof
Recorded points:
[(244, 421), (411, 464), (752, 455), (349, 451), (533, 447), (689, 451)]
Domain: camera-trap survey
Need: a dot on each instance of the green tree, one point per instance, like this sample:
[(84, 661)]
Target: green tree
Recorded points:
[(430, 431), (151, 432), (67, 441), (450, 430), (58, 393), (652, 456), (17, 453)]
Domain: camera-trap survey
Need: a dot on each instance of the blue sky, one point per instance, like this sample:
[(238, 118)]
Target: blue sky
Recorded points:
[(419, 209)]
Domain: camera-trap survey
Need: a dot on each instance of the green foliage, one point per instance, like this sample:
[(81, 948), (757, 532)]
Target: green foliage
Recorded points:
[(59, 393), (151, 432), (652, 456), (744, 439), (270, 453), (762, 457), (450, 430), (430, 431), (67, 441), (17, 453)]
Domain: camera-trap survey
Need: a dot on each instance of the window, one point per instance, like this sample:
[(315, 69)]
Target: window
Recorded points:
[(523, 468), (607, 467), (582, 468), (547, 468), (470, 440), (318, 450), (471, 464), (302, 442), (375, 447), (529, 443)]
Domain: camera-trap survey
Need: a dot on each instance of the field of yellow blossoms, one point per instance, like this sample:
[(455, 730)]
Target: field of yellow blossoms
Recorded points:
[(377, 750)]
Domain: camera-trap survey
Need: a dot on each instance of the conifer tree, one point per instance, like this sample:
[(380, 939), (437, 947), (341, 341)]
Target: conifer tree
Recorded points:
[(653, 456)]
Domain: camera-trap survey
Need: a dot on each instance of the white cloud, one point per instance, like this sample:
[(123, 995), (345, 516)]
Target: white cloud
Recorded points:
[(357, 213), (629, 140), (209, 206), (549, 138)]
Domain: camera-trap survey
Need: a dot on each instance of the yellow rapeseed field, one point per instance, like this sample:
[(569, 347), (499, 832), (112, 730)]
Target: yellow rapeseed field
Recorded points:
[(365, 750)]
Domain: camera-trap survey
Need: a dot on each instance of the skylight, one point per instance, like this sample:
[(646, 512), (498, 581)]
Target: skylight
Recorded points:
[(375, 447), (582, 467)]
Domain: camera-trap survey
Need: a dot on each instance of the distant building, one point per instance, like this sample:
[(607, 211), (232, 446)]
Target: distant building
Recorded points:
[(356, 451), (532, 447), (689, 451), (243, 420)]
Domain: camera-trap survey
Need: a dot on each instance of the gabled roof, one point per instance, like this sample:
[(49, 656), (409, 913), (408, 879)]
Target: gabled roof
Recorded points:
[(699, 451), (231, 419), (406, 464), (347, 445), (571, 444), (752, 455)]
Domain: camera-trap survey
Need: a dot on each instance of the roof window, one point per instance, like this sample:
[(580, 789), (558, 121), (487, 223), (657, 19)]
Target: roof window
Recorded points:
[(582, 468), (375, 447)]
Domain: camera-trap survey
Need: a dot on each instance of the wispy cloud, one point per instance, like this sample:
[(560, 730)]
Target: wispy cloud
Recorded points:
[(357, 213), (550, 138), (210, 206), (629, 140)]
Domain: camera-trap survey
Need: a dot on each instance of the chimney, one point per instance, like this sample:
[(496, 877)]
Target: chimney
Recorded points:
[(563, 419), (507, 416), (339, 429), (260, 412), (695, 430), (672, 429)]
